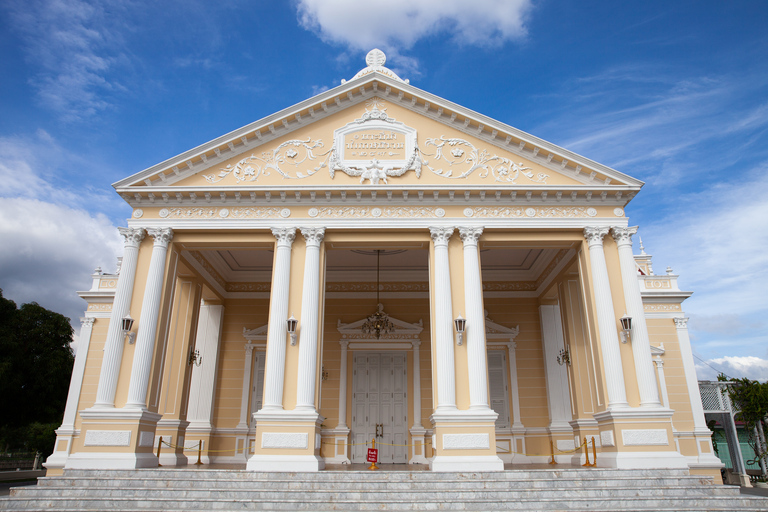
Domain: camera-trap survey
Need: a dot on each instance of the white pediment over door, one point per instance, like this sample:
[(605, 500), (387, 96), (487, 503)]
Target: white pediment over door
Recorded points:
[(401, 338)]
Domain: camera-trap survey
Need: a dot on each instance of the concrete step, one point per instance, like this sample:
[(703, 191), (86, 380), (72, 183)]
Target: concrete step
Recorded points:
[(225, 490)]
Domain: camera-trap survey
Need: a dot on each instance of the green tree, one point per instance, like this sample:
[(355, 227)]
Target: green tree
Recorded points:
[(35, 369), (750, 398)]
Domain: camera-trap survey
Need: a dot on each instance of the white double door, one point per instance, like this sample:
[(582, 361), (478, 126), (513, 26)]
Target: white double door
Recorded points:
[(379, 406)]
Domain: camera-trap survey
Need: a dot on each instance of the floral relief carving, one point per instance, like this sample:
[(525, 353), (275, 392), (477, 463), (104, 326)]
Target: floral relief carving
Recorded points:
[(509, 286), (474, 159), (248, 287), (253, 166)]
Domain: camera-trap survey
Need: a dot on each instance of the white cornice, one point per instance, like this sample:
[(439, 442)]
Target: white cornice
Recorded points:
[(353, 92)]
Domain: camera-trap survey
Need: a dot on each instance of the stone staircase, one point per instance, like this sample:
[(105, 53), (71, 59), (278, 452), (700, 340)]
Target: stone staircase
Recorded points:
[(519, 489)]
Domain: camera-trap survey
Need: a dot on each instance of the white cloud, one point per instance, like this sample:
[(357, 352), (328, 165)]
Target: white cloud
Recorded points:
[(74, 51), (50, 242), (750, 367), (400, 23)]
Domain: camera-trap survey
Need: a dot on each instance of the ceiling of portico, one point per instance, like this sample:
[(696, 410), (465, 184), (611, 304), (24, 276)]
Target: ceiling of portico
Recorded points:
[(514, 269)]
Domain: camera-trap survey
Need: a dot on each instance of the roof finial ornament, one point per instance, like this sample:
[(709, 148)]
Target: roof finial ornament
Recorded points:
[(376, 60), (642, 249)]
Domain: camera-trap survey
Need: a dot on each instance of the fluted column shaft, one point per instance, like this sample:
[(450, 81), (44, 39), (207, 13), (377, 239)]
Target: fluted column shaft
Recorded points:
[(278, 314), (113, 347), (444, 355), (150, 311), (606, 320), (416, 385), (477, 358), (247, 372), (641, 344), (343, 385), (308, 326)]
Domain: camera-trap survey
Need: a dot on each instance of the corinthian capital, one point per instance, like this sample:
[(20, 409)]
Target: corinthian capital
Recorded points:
[(470, 235), (284, 236), (681, 323), (441, 235), (313, 236), (623, 236), (162, 236), (595, 235), (133, 236)]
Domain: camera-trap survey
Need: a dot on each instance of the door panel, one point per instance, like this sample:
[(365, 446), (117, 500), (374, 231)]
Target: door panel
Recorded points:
[(379, 398)]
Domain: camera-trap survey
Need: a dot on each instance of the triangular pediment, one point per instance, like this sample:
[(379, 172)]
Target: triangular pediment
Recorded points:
[(375, 132)]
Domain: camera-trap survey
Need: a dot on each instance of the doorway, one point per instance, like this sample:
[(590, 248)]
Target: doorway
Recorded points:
[(379, 406)]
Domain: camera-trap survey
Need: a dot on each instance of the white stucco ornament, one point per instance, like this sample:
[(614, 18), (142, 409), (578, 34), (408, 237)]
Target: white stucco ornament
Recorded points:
[(618, 212), (138, 213), (285, 213), (313, 212), (164, 213), (223, 213), (376, 60)]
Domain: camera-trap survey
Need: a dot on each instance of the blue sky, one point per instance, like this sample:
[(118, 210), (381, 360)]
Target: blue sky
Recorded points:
[(673, 93)]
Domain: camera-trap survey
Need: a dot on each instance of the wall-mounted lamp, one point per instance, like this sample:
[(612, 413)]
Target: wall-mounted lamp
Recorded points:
[(324, 373), (626, 328), (292, 323), (127, 325), (564, 357), (461, 327), (195, 358)]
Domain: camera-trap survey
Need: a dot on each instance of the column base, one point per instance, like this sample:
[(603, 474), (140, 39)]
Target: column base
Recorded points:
[(418, 434), (285, 463), (466, 463)]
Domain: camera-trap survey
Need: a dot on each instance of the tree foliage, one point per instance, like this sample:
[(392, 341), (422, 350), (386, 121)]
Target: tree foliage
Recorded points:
[(35, 369), (750, 398)]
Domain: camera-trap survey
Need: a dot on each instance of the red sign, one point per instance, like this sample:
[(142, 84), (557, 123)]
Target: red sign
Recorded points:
[(373, 454)]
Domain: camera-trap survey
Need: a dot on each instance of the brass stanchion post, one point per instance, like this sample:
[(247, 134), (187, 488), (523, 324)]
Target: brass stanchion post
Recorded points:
[(594, 452), (373, 463), (586, 453), (159, 444), (552, 450), (199, 452)]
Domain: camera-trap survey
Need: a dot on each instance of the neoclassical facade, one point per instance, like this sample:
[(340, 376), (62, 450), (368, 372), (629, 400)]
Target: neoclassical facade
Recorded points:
[(377, 262)]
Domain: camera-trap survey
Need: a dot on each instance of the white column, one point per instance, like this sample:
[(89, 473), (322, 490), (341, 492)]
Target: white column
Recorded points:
[(606, 320), (689, 369), (150, 311), (203, 381), (247, 372), (477, 357), (343, 385), (416, 385), (557, 375), (308, 325), (113, 347), (641, 344), (76, 384), (444, 355), (662, 381), (278, 314), (517, 423)]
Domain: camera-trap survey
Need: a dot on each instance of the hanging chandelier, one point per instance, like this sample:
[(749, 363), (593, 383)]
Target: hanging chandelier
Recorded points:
[(379, 322)]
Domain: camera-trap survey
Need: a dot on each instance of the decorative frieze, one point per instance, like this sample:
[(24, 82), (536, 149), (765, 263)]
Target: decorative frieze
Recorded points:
[(519, 212), (655, 308), (224, 213), (99, 307)]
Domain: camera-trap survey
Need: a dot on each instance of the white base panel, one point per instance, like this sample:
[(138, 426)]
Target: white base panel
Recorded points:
[(56, 460), (172, 459), (339, 459), (418, 459), (463, 463), (87, 460), (641, 460), (285, 463)]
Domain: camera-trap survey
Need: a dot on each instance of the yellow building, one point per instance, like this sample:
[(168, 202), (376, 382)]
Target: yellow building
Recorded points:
[(377, 262)]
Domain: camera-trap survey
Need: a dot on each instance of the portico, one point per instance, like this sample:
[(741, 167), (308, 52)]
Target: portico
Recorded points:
[(252, 263)]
